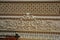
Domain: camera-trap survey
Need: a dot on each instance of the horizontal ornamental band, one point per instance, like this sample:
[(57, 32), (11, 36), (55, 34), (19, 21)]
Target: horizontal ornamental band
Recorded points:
[(35, 25), (34, 8), (29, 0), (24, 17)]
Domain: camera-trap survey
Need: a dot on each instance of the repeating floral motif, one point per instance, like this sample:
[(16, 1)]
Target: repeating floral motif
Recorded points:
[(39, 25)]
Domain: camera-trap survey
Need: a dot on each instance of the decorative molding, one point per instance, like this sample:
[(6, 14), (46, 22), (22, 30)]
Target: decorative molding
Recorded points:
[(39, 36), (40, 25), (37, 17), (35, 36), (29, 0)]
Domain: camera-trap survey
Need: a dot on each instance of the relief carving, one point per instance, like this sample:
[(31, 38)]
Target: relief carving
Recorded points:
[(40, 25)]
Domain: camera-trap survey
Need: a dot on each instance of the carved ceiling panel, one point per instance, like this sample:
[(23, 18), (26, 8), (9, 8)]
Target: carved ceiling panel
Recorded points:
[(24, 16)]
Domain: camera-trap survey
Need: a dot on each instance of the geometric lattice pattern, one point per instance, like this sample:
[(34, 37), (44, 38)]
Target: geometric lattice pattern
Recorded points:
[(30, 7)]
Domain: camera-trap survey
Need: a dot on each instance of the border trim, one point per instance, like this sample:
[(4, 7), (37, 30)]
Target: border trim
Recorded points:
[(29, 1), (31, 32)]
